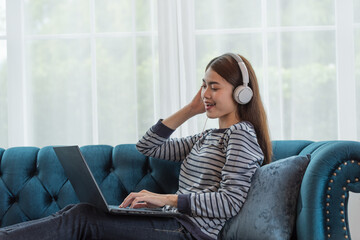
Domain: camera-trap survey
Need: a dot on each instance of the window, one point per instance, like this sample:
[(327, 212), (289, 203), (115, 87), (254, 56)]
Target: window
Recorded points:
[(90, 70), (102, 72), (293, 56)]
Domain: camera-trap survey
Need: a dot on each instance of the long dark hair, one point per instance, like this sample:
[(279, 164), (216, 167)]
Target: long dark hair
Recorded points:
[(226, 66)]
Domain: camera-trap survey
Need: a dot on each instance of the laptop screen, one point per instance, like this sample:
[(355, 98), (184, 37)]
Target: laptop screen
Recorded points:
[(80, 176)]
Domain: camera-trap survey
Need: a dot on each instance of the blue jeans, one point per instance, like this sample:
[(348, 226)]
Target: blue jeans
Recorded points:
[(83, 221)]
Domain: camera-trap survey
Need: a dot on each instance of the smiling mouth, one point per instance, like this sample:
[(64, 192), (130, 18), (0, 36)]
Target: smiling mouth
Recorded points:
[(208, 106)]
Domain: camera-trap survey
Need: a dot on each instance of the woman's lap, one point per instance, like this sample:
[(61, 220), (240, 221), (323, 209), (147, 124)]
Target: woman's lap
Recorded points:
[(83, 221)]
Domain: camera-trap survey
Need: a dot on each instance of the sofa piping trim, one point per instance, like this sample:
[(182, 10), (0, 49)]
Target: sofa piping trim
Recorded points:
[(344, 197)]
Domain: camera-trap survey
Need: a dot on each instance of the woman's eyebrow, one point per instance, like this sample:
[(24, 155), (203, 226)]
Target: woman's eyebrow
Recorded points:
[(211, 82)]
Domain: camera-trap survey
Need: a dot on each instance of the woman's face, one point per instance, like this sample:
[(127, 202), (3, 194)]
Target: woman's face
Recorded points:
[(217, 95)]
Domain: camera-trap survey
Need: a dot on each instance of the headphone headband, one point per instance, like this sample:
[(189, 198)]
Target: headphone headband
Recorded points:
[(243, 68)]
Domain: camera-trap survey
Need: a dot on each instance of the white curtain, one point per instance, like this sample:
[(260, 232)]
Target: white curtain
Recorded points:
[(102, 72), (178, 83)]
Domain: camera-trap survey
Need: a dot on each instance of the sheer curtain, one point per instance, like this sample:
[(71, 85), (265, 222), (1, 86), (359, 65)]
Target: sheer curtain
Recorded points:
[(354, 200), (302, 52), (357, 60), (101, 72), (3, 77), (86, 71), (295, 58)]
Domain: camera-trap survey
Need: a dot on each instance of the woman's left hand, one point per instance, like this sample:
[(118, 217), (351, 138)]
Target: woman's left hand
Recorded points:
[(146, 199)]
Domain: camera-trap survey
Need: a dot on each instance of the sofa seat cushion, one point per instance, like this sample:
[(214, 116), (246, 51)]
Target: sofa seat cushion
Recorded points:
[(270, 209)]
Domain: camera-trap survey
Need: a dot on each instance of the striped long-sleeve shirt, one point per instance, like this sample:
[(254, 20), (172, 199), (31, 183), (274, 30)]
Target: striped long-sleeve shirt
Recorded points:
[(216, 171)]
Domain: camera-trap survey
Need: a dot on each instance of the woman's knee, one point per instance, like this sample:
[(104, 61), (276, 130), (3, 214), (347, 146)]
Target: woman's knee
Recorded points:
[(82, 208), (77, 210)]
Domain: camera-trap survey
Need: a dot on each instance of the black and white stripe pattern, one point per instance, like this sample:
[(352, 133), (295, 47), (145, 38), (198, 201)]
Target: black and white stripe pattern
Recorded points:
[(216, 171)]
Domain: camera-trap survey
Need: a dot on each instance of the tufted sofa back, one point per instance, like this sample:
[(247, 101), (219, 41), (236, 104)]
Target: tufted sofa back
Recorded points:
[(33, 184)]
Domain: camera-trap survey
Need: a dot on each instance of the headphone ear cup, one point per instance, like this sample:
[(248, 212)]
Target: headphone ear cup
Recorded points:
[(242, 94)]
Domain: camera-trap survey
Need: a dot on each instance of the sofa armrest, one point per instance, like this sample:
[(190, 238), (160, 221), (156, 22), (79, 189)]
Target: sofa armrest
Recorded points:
[(334, 170)]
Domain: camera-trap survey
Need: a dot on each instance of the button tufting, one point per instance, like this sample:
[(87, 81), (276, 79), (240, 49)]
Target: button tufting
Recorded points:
[(55, 198), (13, 199), (33, 173), (111, 169)]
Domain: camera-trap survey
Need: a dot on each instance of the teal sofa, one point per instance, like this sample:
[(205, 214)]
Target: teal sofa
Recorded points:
[(33, 184)]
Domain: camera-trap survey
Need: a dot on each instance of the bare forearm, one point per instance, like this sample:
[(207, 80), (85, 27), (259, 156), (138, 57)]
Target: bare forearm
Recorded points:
[(178, 118), (196, 106)]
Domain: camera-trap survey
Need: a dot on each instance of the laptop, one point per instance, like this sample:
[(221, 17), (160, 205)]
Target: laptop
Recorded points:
[(87, 190)]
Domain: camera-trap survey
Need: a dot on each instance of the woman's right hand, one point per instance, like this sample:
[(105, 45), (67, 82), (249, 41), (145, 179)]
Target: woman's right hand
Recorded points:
[(197, 105)]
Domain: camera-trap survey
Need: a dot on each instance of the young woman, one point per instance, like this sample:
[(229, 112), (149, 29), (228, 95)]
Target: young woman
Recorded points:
[(216, 171)]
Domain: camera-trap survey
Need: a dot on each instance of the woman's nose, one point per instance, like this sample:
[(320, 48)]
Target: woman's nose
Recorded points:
[(206, 93)]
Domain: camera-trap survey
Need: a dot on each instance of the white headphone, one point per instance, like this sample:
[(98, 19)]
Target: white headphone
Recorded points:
[(243, 93)]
